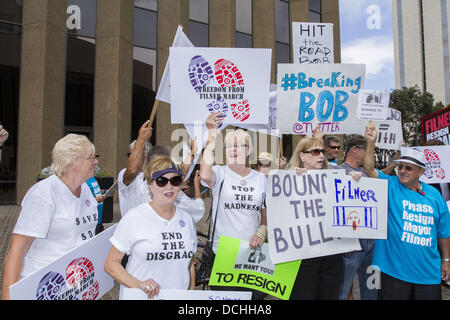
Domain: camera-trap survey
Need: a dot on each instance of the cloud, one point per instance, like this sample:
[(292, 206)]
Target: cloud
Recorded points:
[(377, 53)]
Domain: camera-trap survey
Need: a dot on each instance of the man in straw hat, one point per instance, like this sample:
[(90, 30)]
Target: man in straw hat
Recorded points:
[(418, 220)]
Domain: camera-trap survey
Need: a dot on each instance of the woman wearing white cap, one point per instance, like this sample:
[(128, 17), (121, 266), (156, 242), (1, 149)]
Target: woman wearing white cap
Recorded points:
[(159, 237), (418, 220)]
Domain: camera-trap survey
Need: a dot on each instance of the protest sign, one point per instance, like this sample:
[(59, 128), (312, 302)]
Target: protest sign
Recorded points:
[(312, 43), (324, 94), (296, 217), (78, 275), (239, 266), (233, 81), (390, 132), (172, 294), (437, 163), (356, 209), (437, 126), (373, 105)]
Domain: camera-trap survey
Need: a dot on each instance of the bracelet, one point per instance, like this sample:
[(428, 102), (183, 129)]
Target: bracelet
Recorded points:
[(445, 260)]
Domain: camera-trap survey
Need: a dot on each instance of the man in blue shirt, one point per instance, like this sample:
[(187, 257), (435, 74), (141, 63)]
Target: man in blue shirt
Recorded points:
[(418, 219)]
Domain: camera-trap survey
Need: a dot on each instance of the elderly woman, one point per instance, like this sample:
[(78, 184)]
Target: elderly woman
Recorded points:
[(159, 237), (317, 278), (238, 191), (57, 214)]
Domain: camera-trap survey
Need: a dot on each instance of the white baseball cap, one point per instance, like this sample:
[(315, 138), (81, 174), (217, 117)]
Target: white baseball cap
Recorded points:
[(413, 156)]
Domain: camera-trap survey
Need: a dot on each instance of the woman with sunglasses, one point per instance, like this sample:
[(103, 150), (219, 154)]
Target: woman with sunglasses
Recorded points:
[(238, 190), (159, 237), (317, 278), (58, 213)]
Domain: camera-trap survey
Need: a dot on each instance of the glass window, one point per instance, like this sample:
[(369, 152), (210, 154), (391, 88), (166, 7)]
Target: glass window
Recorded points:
[(86, 12), (314, 17), (283, 52), (147, 4), (11, 10), (145, 28), (314, 5), (199, 33), (244, 40), (282, 21), (198, 10), (244, 16), (10, 37)]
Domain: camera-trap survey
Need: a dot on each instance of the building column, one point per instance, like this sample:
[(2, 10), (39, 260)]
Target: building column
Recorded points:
[(42, 87), (113, 83), (222, 23), (330, 14), (171, 14)]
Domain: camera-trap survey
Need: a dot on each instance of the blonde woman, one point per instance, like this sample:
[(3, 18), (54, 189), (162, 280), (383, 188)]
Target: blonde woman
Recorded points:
[(240, 210), (317, 278), (58, 213), (159, 237)]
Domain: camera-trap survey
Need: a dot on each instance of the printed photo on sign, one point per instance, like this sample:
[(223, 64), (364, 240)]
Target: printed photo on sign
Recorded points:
[(356, 209), (233, 81), (78, 275), (296, 212), (437, 163), (312, 43), (373, 105), (237, 265), (323, 94)]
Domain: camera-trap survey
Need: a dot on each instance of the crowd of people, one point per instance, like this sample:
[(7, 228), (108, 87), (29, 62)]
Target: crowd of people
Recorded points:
[(154, 209)]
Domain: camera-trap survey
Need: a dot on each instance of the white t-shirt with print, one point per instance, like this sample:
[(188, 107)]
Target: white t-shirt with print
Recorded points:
[(159, 249), (137, 193), (241, 200), (58, 220)]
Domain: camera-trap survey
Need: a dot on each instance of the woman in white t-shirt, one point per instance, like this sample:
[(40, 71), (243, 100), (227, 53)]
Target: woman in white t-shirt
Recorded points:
[(58, 213), (240, 205), (159, 237)]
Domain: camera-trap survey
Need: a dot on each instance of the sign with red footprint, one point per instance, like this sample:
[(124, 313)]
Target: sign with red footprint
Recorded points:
[(437, 164), (233, 81)]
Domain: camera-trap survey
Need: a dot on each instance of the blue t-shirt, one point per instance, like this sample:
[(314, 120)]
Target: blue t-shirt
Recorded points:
[(415, 222), (96, 191)]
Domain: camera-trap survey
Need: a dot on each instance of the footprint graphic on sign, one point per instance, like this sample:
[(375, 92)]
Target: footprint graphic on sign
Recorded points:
[(228, 75), (201, 74), (433, 165), (50, 286)]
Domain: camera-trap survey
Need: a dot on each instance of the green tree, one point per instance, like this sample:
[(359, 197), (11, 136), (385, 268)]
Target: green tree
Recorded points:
[(414, 104)]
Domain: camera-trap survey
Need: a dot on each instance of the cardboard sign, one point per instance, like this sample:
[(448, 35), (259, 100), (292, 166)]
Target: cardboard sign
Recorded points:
[(172, 294), (324, 94), (78, 275), (296, 217), (356, 209), (373, 105), (390, 132), (312, 43), (437, 126), (239, 266), (233, 81), (438, 164)]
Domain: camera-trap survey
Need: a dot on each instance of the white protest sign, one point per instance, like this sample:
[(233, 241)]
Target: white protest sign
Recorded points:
[(390, 132), (312, 43), (78, 275), (437, 163), (324, 94), (180, 40), (296, 217), (356, 209), (373, 105), (233, 81), (172, 294)]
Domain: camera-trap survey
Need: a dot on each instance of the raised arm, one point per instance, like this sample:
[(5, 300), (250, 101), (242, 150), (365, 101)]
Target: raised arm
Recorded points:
[(136, 158), (206, 172), (369, 157)]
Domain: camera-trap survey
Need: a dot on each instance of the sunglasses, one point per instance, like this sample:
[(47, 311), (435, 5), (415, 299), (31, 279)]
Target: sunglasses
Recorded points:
[(315, 152), (407, 168), (334, 147), (174, 181)]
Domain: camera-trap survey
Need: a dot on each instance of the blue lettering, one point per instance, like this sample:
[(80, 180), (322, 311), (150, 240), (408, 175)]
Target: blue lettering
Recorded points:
[(306, 100)]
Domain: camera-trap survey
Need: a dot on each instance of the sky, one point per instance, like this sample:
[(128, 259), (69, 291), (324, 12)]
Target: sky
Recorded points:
[(366, 37)]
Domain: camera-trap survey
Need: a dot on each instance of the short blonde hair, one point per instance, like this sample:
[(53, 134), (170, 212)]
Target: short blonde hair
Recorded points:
[(67, 150), (302, 146), (239, 135), (158, 163)]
